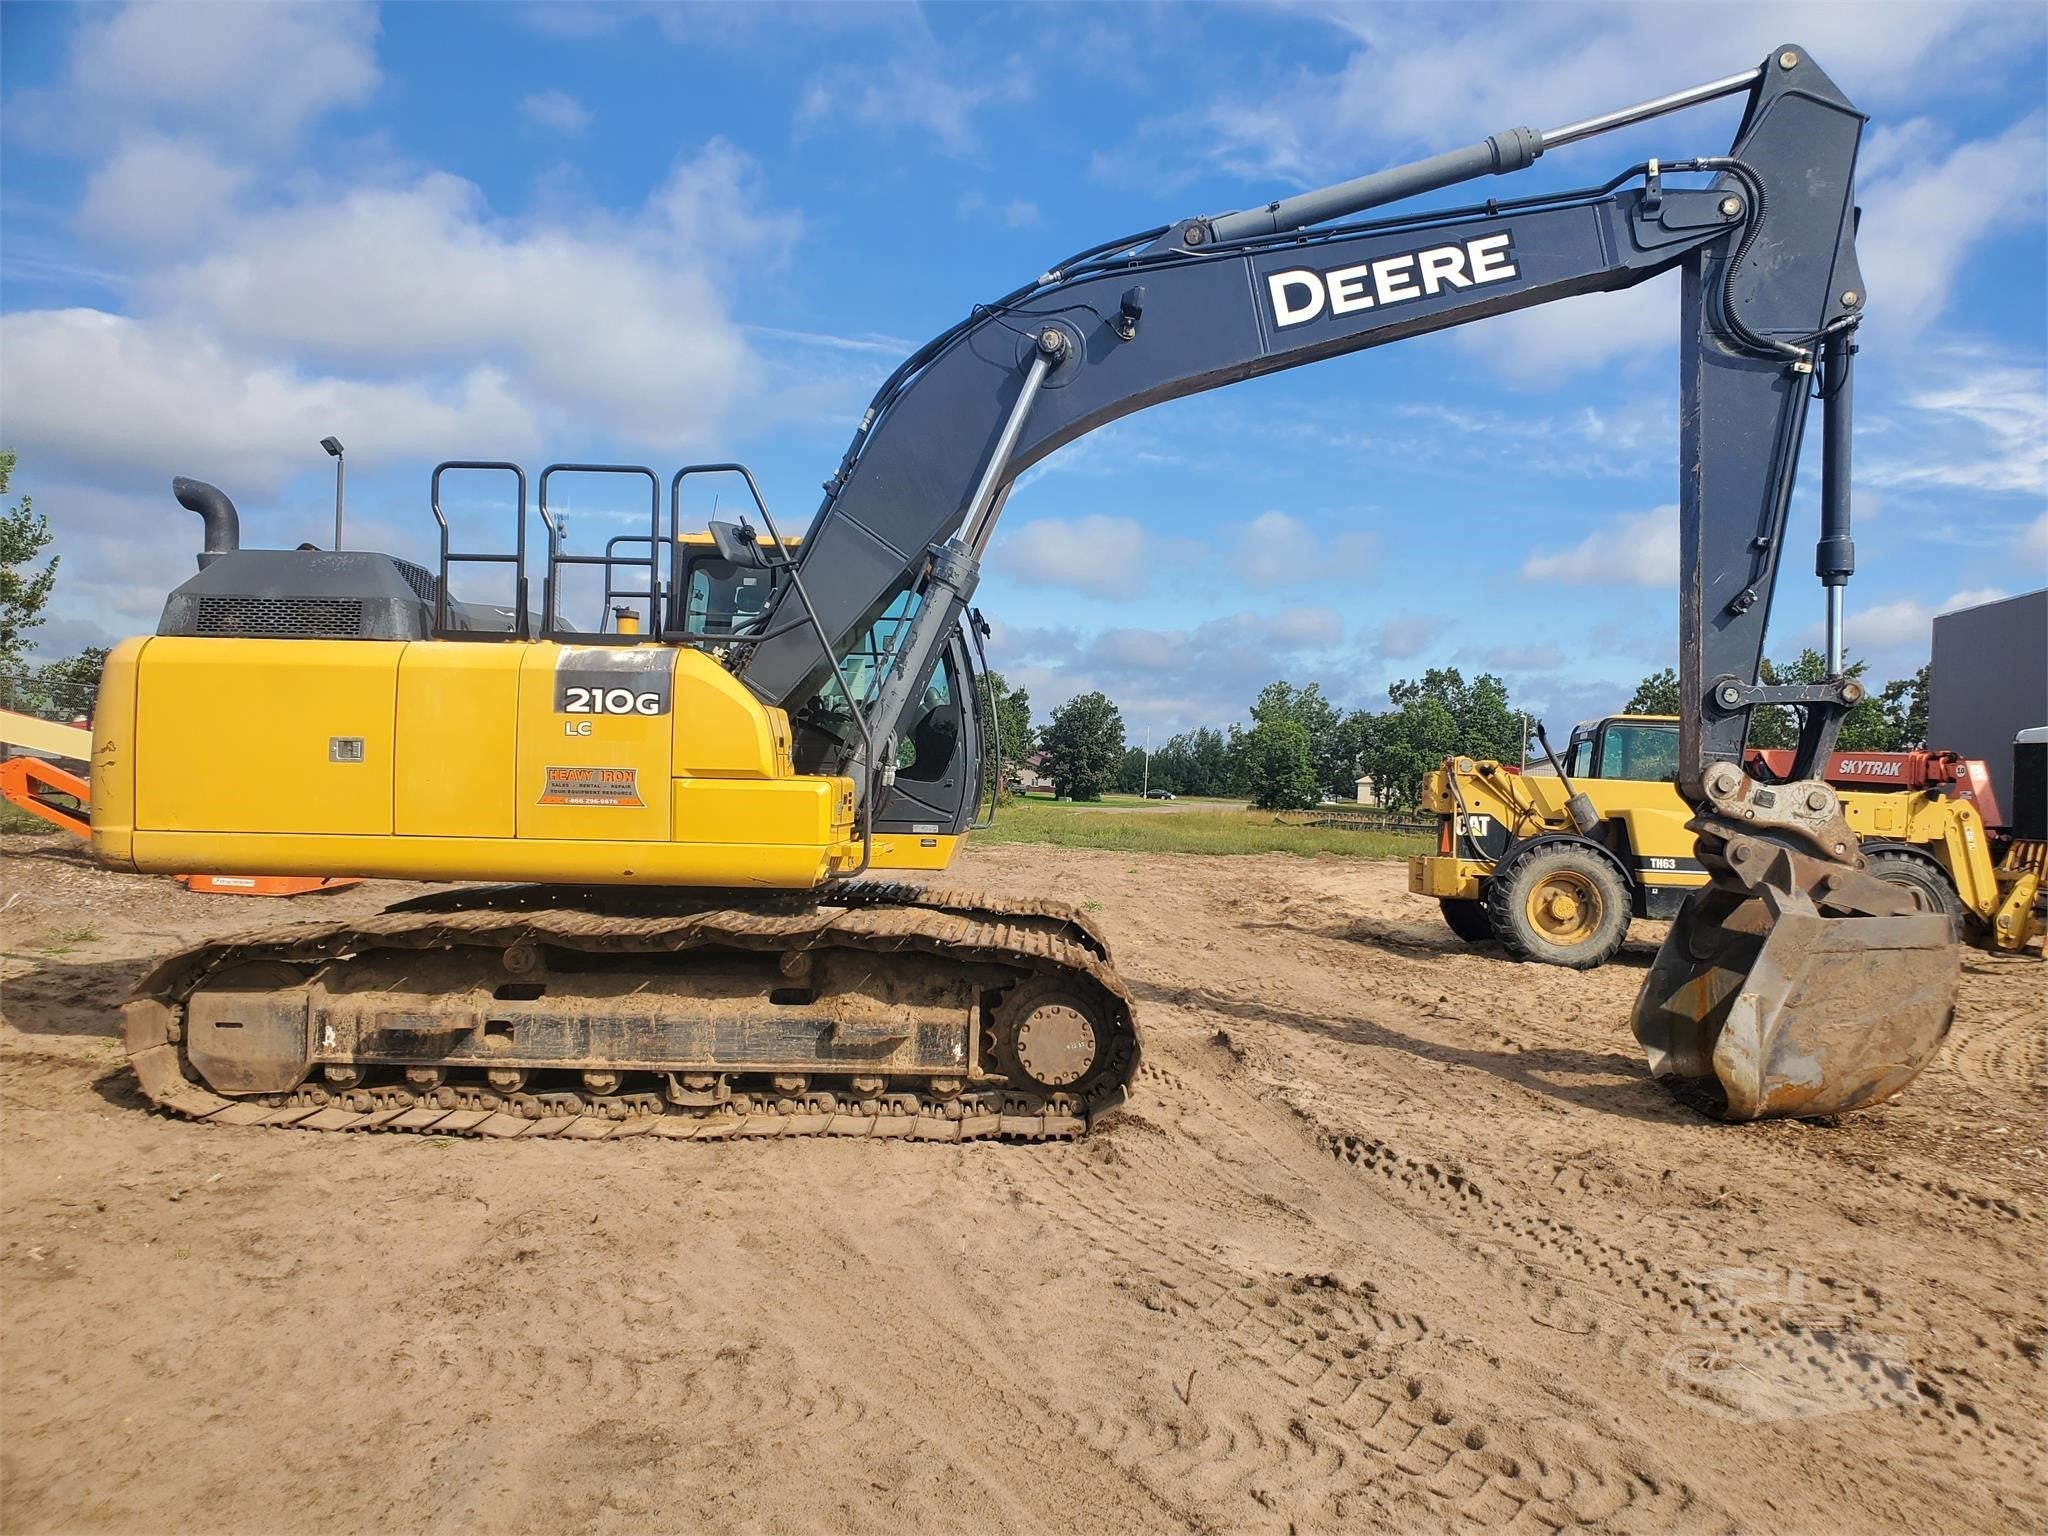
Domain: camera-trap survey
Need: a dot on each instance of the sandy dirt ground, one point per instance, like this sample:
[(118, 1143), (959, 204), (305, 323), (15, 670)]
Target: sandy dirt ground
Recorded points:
[(1395, 1235)]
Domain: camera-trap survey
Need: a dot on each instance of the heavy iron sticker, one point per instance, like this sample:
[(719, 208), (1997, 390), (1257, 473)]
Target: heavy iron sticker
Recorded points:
[(577, 785)]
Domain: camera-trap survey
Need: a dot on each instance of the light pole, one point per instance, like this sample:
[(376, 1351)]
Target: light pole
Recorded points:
[(333, 447), (1145, 778)]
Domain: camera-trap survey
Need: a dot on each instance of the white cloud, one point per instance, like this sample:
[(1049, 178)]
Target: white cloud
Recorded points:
[(1278, 550), (100, 392), (1902, 622), (1926, 211), (1406, 635), (1017, 213), (556, 109), (1101, 556), (921, 91), (602, 328), (158, 191), (1636, 550), (1535, 656), (1541, 345), (1175, 679), (1983, 427), (2033, 543), (1899, 630), (254, 74)]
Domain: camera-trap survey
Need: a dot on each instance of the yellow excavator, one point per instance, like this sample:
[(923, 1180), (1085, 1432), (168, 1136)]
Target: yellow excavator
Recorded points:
[(689, 805), (1513, 865)]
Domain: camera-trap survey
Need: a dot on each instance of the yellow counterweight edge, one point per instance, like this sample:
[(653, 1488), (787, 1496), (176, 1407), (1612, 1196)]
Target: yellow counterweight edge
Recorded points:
[(546, 860), (113, 757), (910, 852)]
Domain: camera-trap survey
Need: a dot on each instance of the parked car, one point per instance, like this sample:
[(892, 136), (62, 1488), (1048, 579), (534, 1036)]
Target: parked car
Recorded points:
[(1158, 794)]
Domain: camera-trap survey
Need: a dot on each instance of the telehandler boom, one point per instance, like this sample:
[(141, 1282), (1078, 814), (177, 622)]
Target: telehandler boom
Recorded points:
[(768, 722)]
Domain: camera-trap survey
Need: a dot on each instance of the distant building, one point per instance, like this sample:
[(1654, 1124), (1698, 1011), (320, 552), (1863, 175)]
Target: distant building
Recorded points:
[(1989, 681), (1368, 793), (1030, 777)]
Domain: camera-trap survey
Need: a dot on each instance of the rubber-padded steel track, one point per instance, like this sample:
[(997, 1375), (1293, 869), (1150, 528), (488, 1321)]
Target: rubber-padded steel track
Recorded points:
[(1034, 939)]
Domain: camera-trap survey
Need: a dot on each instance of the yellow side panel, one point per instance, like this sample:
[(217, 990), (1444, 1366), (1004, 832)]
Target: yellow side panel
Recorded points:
[(721, 730), (598, 769), (457, 754), (113, 756), (1881, 815), (265, 735), (808, 811)]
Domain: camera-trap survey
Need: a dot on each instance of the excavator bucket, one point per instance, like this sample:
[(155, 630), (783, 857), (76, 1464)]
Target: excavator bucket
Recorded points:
[(1759, 1006)]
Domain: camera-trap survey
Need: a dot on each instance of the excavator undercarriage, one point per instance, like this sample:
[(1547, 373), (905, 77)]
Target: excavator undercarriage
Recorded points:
[(878, 1010)]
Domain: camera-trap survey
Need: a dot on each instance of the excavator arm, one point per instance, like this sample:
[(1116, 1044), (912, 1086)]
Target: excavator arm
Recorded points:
[(1796, 982)]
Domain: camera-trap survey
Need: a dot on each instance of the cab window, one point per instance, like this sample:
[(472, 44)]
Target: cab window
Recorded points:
[(1646, 753), (723, 599), (1578, 755)]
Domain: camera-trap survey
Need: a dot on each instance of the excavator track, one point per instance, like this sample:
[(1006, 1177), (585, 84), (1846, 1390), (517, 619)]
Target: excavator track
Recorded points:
[(876, 1009)]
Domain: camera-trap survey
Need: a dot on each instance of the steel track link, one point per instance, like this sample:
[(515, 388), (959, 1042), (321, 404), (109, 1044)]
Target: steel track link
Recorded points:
[(1036, 938)]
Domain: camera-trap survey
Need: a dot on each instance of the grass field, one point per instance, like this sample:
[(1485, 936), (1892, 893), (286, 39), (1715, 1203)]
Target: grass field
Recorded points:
[(14, 819), (1184, 830)]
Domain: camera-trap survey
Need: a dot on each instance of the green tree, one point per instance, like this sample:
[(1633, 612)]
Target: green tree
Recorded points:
[(1436, 716), (1013, 727), (1208, 764), (1083, 747), (1656, 694), (24, 534), (57, 690), (1904, 701), (1130, 773), (1334, 765), (1867, 728), (1278, 765)]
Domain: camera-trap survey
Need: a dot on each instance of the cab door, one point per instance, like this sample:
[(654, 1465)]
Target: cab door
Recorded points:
[(939, 761)]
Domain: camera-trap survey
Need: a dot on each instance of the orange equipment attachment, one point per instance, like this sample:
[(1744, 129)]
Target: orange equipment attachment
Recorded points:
[(30, 782)]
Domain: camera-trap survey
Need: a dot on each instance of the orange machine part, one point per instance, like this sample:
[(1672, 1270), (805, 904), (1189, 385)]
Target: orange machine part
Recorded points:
[(263, 885), (28, 781)]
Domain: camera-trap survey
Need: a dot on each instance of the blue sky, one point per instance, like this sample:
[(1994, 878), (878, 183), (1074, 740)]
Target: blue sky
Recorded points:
[(678, 232)]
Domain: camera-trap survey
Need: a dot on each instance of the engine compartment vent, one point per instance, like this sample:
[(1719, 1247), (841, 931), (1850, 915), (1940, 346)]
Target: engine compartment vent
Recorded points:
[(280, 617)]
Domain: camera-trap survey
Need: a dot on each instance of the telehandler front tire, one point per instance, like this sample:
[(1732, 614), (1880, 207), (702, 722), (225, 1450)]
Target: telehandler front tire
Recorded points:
[(1927, 880), (1561, 904), (1467, 918)]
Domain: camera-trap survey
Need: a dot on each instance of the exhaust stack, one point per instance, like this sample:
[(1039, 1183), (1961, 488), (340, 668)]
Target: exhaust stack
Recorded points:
[(222, 523)]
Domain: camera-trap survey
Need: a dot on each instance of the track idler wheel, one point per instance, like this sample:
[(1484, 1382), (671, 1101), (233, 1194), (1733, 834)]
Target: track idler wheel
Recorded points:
[(1802, 994), (1053, 1037)]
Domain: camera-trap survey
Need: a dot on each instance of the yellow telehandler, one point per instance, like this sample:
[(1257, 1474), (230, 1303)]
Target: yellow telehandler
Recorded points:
[(1518, 861)]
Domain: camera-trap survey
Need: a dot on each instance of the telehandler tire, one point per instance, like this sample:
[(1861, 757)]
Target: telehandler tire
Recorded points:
[(1467, 918), (1927, 880), (1559, 903)]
